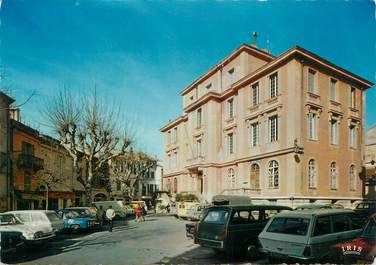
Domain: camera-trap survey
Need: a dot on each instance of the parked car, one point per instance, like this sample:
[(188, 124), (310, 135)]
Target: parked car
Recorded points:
[(11, 237), (40, 218), (184, 207), (121, 209), (231, 200), (79, 219), (11, 242), (194, 213), (134, 204), (234, 228), (85, 211), (311, 206), (32, 232), (365, 209), (307, 235), (190, 228), (358, 250)]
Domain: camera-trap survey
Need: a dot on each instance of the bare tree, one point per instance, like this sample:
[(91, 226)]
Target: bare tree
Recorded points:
[(131, 168), (90, 131)]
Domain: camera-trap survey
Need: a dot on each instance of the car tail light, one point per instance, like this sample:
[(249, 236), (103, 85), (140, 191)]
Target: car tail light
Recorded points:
[(307, 251)]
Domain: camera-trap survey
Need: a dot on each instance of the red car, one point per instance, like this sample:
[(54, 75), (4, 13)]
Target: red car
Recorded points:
[(361, 249)]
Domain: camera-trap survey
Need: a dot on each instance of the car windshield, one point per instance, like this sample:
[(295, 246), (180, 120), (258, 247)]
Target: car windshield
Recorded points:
[(52, 217), (370, 229), (366, 206), (24, 217), (216, 217), (82, 212), (71, 214), (7, 219), (289, 225)]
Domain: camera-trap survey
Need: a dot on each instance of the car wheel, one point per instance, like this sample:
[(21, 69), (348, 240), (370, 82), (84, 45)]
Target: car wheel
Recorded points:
[(251, 251)]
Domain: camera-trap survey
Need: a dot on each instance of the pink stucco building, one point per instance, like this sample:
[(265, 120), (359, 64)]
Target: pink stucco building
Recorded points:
[(280, 129)]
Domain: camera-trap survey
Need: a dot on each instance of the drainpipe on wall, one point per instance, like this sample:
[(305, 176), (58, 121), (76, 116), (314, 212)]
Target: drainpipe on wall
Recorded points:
[(362, 150), (302, 115), (10, 193)]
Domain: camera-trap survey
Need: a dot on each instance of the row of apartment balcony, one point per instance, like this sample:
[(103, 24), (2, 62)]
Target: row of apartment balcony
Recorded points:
[(29, 162)]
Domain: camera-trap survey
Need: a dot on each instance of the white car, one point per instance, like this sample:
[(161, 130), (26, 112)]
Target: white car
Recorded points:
[(40, 218), (9, 222)]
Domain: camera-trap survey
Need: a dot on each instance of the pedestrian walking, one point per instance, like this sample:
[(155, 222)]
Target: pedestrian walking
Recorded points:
[(138, 213), (143, 212), (110, 214), (168, 208), (101, 216)]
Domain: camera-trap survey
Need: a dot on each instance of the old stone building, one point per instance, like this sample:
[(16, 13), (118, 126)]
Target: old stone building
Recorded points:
[(64, 189), (5, 172), (285, 129), (26, 162), (370, 164)]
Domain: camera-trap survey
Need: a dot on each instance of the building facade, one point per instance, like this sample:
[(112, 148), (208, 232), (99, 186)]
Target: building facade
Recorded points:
[(142, 187), (64, 189), (280, 129), (369, 180), (26, 162), (5, 102)]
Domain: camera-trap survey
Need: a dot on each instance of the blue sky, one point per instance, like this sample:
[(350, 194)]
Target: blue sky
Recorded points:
[(142, 54)]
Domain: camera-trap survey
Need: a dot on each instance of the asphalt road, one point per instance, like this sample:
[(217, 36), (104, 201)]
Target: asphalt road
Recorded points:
[(159, 240)]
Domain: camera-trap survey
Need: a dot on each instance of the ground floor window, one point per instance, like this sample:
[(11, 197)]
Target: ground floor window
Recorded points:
[(255, 176), (231, 178), (352, 178), (273, 175)]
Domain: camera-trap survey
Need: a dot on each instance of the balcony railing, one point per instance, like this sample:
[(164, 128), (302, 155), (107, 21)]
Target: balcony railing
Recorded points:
[(29, 162)]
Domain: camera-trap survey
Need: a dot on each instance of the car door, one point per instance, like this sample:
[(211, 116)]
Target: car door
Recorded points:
[(244, 227), (322, 237), (342, 228)]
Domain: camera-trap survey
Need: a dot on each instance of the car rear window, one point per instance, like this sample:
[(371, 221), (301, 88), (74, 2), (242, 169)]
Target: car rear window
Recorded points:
[(216, 217), (289, 225)]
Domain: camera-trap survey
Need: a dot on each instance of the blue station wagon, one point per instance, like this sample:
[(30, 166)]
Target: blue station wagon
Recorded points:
[(79, 219)]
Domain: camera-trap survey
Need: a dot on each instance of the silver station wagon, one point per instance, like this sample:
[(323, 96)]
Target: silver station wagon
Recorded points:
[(307, 235)]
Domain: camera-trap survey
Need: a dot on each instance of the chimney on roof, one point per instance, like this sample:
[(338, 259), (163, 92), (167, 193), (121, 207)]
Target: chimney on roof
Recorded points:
[(254, 42), (15, 114)]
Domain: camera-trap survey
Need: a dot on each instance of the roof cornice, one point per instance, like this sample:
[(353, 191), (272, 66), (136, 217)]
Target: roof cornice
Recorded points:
[(173, 123), (244, 47)]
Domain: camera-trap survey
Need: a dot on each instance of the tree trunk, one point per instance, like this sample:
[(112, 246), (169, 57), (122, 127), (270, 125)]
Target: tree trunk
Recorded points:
[(47, 190), (88, 194), (89, 181)]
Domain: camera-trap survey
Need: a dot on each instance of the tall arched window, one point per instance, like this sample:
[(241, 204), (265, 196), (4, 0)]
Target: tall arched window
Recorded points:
[(352, 178), (312, 174), (175, 185), (273, 173), (231, 178), (333, 176), (169, 186), (255, 176)]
